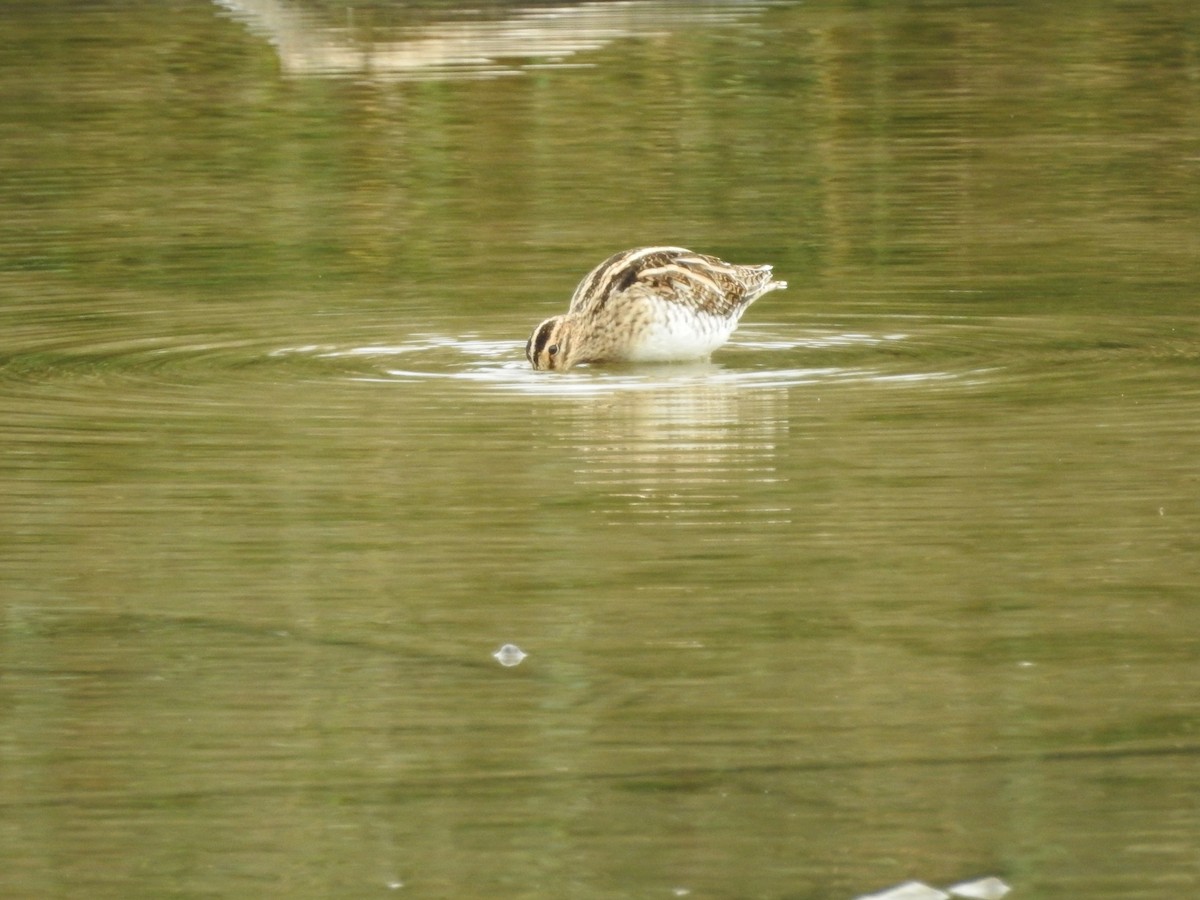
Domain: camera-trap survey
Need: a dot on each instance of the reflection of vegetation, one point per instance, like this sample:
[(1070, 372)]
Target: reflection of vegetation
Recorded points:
[(964, 144), (429, 42)]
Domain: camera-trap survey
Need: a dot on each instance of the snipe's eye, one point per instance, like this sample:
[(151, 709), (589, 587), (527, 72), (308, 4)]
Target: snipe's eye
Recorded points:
[(552, 349)]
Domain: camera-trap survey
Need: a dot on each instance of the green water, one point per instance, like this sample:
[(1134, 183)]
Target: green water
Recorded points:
[(903, 584)]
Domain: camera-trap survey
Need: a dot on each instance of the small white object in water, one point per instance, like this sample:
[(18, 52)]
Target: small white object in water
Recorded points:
[(910, 890), (510, 655), (989, 888)]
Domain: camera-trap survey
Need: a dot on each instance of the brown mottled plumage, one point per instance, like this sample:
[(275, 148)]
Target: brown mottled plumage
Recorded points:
[(650, 304)]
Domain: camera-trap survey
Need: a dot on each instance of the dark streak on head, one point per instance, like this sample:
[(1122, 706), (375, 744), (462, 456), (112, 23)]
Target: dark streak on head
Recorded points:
[(543, 335), (538, 340)]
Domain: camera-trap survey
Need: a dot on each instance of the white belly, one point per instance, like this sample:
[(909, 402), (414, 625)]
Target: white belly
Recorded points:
[(681, 334)]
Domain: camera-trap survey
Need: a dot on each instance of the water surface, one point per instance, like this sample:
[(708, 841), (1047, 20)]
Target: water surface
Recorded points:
[(901, 584)]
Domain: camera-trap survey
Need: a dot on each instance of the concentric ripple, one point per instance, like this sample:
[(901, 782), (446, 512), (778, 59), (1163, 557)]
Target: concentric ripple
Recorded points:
[(759, 359), (921, 351)]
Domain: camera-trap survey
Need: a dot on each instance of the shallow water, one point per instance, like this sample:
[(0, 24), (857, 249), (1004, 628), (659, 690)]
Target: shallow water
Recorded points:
[(902, 584)]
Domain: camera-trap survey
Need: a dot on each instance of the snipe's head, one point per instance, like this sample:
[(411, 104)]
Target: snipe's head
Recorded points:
[(549, 347)]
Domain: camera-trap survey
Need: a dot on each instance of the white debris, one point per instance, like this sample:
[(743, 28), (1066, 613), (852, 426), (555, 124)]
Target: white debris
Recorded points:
[(910, 890), (989, 888), (510, 655)]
